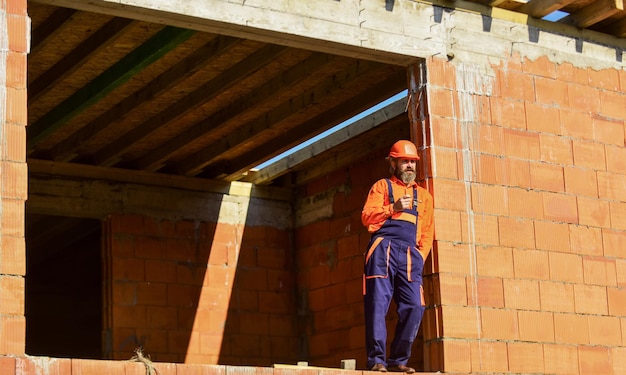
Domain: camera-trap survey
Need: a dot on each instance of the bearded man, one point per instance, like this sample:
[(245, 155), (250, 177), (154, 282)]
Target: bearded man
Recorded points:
[(399, 214)]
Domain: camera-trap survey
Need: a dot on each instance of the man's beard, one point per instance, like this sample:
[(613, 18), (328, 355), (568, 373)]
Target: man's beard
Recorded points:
[(406, 177)]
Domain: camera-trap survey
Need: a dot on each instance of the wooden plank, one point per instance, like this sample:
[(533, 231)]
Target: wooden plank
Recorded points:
[(44, 168), (50, 27), (99, 40), (540, 9), (246, 133), (219, 120), (69, 148), (120, 72), (595, 12), (361, 126), (243, 69)]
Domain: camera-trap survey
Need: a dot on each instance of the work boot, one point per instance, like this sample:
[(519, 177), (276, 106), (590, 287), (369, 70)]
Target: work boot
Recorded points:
[(402, 368), (379, 367)]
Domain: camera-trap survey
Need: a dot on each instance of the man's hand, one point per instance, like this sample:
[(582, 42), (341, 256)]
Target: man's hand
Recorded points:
[(402, 203)]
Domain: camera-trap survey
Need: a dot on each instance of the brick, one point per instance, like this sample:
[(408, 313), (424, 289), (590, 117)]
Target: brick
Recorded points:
[(515, 85), (616, 301), (571, 329), (12, 334), (516, 173), (14, 180), (560, 359), (452, 290), (7, 365), (581, 181), (556, 149), (615, 159), (612, 104), (490, 140), (482, 229), (485, 291), (154, 294), (13, 217), (543, 119), (599, 271), (611, 186), (442, 102), (567, 72), (16, 106), (541, 66), (455, 356), (489, 199), (618, 354), (586, 240), (16, 70), (594, 360), (460, 322), (590, 299), (593, 212), (489, 168), (525, 357), (508, 113), (556, 296), (489, 357), (577, 124), (551, 236), (516, 232), (498, 324), (606, 79), (448, 162), (608, 131), (536, 326), (620, 265), (531, 264), (446, 132), (552, 92), (618, 215), (589, 155), (13, 255), (547, 177), (560, 208), (441, 73), (128, 269), (566, 267), (450, 224), (604, 330), (613, 243), (521, 144), (494, 261), (521, 294), (453, 190), (160, 271), (583, 98)]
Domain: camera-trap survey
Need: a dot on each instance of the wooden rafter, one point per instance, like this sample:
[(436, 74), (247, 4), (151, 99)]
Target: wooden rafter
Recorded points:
[(219, 120), (68, 149), (110, 155), (157, 46), (48, 29), (540, 9), (595, 12)]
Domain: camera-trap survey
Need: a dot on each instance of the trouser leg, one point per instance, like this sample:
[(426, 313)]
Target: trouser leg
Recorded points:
[(410, 313), (376, 304)]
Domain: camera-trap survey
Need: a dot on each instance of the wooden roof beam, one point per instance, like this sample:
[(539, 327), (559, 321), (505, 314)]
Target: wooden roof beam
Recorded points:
[(541, 8), (595, 12), (161, 43)]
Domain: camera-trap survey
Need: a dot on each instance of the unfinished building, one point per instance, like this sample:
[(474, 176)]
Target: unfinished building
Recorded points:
[(152, 197)]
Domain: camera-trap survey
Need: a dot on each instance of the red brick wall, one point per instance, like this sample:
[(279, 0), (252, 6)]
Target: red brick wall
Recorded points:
[(529, 184), (199, 292), (13, 174)]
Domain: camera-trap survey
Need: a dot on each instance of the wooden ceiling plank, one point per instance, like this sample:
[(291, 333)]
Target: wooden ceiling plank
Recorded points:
[(308, 129), (53, 25), (161, 43), (618, 28), (595, 12), (297, 73), (355, 129), (541, 8), (99, 40), (110, 155), (69, 148), (246, 133)]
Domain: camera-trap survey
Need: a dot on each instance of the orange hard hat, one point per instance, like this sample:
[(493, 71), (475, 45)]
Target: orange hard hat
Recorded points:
[(404, 149)]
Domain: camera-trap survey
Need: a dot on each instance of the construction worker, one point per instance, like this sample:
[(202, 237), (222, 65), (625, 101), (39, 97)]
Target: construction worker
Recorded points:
[(399, 214)]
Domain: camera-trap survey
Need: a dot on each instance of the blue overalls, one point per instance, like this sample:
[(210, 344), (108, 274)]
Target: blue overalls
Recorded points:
[(393, 268)]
